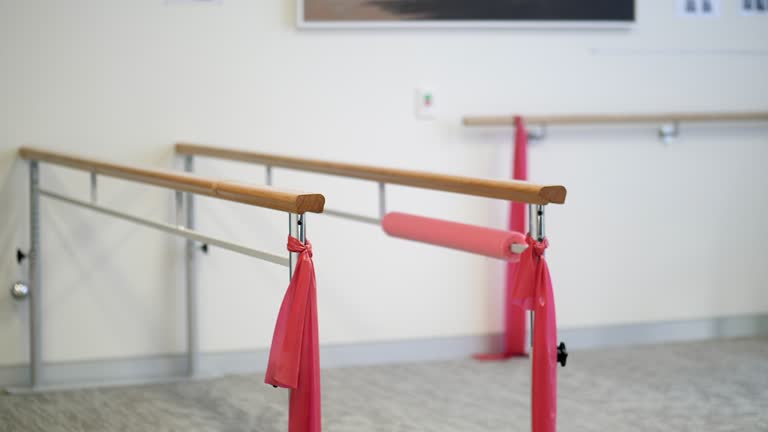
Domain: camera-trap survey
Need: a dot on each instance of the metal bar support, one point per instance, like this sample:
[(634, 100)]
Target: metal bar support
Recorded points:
[(352, 216), (172, 229), (536, 230), (179, 199), (268, 171), (94, 188), (35, 284), (382, 200), (190, 280), (297, 227), (540, 232), (532, 233)]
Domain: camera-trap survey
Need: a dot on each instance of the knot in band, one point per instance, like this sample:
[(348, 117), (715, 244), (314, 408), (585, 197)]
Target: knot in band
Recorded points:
[(296, 246), (537, 247)]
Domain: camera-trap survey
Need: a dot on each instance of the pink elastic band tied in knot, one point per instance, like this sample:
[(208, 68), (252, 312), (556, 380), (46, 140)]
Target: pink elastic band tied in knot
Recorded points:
[(296, 246), (538, 247)]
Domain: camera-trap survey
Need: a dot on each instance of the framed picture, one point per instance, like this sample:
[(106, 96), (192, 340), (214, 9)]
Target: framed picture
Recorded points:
[(465, 13)]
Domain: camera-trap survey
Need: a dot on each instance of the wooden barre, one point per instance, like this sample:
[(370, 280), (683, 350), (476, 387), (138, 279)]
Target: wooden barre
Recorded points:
[(509, 120), (502, 189), (261, 196)]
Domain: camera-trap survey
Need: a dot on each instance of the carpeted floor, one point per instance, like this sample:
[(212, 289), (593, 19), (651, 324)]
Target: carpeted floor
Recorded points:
[(705, 386)]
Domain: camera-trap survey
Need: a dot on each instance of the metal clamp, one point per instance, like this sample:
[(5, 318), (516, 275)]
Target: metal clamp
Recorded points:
[(537, 133), (668, 132), (19, 290), (20, 256)]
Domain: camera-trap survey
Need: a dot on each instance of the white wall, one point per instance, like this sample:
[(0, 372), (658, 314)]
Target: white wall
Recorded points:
[(649, 232)]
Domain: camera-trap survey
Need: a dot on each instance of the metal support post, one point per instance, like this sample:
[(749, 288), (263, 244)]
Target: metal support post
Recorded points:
[(94, 188), (190, 267), (382, 200), (297, 226), (35, 284)]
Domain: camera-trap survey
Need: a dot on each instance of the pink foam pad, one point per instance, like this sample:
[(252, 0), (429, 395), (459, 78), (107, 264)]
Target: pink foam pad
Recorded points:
[(471, 238)]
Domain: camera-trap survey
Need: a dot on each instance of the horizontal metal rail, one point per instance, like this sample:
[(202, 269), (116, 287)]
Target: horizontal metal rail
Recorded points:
[(172, 229), (352, 216)]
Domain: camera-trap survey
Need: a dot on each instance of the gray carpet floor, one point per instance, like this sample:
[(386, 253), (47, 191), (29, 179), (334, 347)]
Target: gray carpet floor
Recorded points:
[(704, 386)]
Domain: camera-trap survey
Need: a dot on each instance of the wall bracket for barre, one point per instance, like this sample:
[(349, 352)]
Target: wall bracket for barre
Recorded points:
[(537, 132), (20, 256), (669, 132), (19, 290)]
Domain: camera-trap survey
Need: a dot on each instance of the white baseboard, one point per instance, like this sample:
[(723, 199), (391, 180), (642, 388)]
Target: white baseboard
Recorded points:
[(165, 367)]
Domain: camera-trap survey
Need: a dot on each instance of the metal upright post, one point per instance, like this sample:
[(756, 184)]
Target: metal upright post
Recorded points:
[(382, 200), (540, 234), (297, 228), (35, 283), (301, 227), (94, 188), (532, 232), (193, 342)]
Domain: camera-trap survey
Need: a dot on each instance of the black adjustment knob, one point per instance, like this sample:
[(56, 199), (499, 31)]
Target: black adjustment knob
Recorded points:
[(204, 248), (20, 256), (562, 354)]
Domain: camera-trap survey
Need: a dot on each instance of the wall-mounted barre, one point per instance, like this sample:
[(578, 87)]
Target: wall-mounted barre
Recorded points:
[(297, 204), (509, 120), (669, 129)]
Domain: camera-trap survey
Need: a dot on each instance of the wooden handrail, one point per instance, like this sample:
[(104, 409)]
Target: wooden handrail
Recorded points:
[(508, 120), (507, 190), (261, 196)]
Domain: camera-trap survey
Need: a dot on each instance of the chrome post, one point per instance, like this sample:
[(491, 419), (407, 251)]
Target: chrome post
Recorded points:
[(94, 188), (190, 269), (293, 231), (269, 175), (382, 200), (302, 228), (35, 285), (532, 232), (179, 208), (540, 233), (297, 225)]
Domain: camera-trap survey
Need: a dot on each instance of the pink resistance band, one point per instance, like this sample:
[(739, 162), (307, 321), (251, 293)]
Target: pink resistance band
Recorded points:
[(294, 357), (533, 291), (480, 240)]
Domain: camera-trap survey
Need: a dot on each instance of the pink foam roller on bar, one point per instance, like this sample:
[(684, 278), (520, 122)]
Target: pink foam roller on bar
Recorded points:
[(490, 242)]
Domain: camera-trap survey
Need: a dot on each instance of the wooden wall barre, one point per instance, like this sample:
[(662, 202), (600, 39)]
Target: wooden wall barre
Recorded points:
[(502, 189), (261, 196), (508, 120)]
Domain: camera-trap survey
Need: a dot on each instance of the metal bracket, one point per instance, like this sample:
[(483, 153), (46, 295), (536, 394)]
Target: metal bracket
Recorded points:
[(19, 290), (669, 132), (537, 133), (20, 256), (518, 248)]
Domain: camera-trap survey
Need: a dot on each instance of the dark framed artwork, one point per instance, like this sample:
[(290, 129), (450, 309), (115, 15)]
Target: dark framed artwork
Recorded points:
[(465, 13)]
